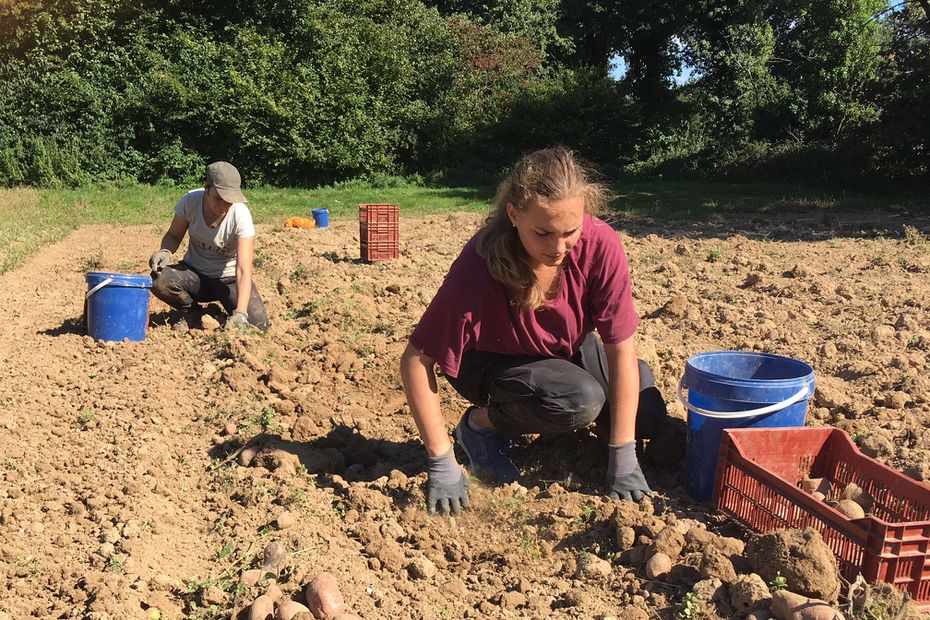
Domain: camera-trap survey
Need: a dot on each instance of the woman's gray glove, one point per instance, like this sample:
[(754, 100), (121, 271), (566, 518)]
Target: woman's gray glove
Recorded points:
[(238, 320), (625, 479), (160, 260), (446, 486)]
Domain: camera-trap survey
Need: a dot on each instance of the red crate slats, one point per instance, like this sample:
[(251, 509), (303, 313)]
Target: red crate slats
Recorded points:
[(379, 231), (890, 544)]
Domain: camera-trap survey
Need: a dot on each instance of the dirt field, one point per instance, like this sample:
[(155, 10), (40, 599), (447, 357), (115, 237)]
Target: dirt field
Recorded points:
[(117, 496)]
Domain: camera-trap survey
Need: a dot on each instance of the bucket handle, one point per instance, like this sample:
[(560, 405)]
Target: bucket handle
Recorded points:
[(97, 288), (730, 415)]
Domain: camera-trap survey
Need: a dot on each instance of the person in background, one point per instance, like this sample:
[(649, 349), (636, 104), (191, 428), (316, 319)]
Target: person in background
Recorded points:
[(218, 263), (512, 329)]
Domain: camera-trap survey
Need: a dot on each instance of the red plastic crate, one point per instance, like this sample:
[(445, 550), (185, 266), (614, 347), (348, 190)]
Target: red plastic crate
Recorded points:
[(378, 227), (757, 478)]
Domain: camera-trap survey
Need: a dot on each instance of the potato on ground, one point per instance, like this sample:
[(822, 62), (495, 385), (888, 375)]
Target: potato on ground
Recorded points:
[(324, 598)]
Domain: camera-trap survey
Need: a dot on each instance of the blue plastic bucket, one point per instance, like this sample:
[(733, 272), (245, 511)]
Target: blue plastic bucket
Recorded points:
[(733, 389), (117, 306), (321, 218)]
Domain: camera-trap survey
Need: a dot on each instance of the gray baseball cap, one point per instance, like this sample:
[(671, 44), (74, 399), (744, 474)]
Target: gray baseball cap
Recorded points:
[(225, 178)]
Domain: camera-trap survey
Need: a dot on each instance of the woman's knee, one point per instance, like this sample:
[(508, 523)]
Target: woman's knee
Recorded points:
[(583, 404), (168, 289)]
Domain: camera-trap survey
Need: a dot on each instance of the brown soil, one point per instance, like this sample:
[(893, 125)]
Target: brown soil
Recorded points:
[(117, 496)]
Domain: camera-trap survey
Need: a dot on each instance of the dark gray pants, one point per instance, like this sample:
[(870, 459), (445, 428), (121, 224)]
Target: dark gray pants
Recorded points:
[(549, 395), (181, 286)]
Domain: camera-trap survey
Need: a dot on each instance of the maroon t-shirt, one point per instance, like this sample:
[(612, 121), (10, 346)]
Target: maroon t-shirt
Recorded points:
[(471, 310)]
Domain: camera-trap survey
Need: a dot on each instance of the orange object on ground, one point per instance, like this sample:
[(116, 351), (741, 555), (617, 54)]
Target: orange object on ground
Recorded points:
[(299, 222)]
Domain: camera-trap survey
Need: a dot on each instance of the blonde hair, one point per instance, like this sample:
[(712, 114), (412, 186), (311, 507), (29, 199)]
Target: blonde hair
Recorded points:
[(543, 177)]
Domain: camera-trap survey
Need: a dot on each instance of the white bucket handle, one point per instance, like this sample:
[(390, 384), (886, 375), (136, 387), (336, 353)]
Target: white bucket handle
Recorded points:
[(731, 415), (97, 288)]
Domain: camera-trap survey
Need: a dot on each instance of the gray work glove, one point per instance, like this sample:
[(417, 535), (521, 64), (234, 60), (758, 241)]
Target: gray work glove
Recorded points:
[(238, 320), (446, 486), (625, 479), (160, 260)]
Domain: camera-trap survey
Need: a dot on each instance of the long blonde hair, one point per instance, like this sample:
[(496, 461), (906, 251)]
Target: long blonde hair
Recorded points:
[(543, 177)]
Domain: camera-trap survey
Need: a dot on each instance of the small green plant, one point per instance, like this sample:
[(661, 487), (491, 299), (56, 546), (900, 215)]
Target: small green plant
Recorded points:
[(93, 262), (300, 273), (530, 547), (265, 419), (387, 329), (297, 498), (261, 257), (221, 521), (224, 551), (86, 418), (195, 584), (778, 582), (691, 607), (205, 613), (125, 266), (915, 341), (904, 384), (309, 309), (115, 565), (714, 254)]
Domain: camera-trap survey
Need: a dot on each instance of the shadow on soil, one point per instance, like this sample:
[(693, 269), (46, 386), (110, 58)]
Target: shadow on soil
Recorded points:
[(812, 225)]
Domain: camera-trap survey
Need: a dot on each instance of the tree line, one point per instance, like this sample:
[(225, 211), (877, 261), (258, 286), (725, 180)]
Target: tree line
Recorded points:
[(308, 92)]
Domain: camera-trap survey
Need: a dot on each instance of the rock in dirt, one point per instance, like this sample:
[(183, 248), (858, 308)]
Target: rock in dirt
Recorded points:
[(592, 567), (279, 461), (748, 593), (209, 323), (716, 564), (669, 541), (324, 598), (788, 605), (709, 590), (285, 520), (801, 557), (877, 444), (421, 568), (512, 600), (626, 537), (676, 307), (697, 539)]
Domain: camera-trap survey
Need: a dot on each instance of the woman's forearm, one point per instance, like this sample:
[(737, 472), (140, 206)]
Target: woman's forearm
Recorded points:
[(170, 242), (244, 287), (419, 381), (623, 385)]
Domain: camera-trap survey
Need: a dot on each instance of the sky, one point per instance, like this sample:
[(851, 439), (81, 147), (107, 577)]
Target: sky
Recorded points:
[(618, 70)]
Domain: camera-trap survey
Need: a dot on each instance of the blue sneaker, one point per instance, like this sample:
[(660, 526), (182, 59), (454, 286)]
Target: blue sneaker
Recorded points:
[(485, 451)]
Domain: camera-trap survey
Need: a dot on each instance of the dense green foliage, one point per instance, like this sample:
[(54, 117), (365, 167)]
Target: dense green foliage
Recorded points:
[(308, 92)]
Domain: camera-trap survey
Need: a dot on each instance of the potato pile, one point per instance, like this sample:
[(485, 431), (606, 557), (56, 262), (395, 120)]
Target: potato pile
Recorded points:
[(323, 598), (853, 501)]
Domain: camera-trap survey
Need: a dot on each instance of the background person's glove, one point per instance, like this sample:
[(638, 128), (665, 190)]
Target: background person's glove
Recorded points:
[(238, 320), (625, 479), (160, 260), (446, 486)]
